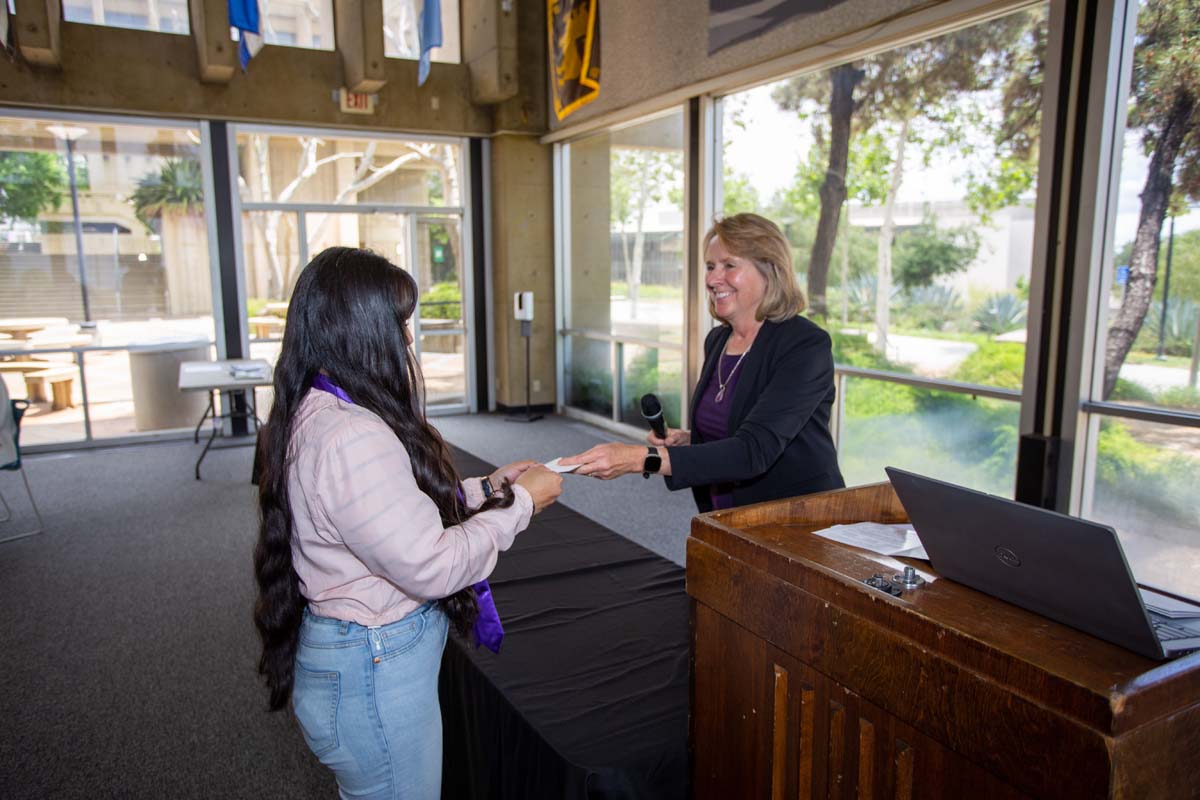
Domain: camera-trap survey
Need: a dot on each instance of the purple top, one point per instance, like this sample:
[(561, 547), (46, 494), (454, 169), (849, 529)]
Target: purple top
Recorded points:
[(712, 420)]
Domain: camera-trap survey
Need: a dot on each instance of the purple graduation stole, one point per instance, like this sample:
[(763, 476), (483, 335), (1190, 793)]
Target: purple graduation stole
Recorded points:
[(488, 630)]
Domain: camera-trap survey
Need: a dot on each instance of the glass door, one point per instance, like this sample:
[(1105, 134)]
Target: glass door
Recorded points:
[(430, 248), (441, 330)]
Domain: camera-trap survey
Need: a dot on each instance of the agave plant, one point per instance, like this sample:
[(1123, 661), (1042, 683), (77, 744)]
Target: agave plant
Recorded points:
[(1180, 327), (1000, 313), (932, 307), (177, 186), (860, 295)]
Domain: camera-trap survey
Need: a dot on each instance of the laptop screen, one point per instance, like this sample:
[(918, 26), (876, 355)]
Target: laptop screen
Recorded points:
[(1062, 567)]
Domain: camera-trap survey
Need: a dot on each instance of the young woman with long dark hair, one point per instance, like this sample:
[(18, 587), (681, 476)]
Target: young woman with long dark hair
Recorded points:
[(369, 544)]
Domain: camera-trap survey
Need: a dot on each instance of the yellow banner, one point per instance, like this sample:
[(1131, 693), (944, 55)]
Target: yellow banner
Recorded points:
[(574, 27)]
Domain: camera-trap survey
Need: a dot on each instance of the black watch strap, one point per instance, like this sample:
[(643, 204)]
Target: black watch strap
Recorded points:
[(488, 491), (653, 462)]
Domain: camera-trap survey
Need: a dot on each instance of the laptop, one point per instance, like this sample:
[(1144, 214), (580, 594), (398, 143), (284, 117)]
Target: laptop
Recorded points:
[(1062, 567)]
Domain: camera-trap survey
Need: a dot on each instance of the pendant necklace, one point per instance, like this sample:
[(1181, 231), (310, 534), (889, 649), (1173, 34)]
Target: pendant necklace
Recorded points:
[(722, 382)]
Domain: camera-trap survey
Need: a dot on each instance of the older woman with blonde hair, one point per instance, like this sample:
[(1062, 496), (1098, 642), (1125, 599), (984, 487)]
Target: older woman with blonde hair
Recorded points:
[(760, 413)]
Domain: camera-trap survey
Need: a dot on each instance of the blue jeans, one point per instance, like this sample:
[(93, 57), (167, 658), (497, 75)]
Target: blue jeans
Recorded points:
[(367, 702)]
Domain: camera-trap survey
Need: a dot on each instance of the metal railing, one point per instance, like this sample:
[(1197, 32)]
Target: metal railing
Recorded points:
[(79, 353)]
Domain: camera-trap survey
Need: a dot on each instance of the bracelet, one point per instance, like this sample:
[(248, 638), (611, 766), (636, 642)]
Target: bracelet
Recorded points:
[(488, 491)]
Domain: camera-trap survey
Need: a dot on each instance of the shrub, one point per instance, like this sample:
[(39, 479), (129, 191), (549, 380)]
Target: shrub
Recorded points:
[(853, 350), (643, 375), (1179, 397), (930, 307), (1130, 392), (442, 301), (994, 364), (1142, 474)]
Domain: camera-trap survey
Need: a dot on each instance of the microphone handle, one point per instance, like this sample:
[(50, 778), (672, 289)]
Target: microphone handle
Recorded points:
[(658, 425)]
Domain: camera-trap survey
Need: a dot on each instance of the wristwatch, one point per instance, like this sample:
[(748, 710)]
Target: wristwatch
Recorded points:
[(486, 485), (653, 462)]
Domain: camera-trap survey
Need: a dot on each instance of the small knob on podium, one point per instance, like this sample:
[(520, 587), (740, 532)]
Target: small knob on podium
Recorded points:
[(909, 579)]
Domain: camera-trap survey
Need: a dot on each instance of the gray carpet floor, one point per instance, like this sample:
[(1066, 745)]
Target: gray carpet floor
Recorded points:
[(126, 643)]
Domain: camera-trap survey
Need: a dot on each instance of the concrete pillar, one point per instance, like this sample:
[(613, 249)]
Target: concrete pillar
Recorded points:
[(216, 55), (38, 26), (523, 260), (490, 49), (358, 33)]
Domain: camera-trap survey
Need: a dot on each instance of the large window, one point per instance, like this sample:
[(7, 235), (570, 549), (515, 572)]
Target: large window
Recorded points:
[(297, 23), (402, 198), (624, 277), (905, 183), (167, 16), (1143, 454), (104, 274), (400, 30)]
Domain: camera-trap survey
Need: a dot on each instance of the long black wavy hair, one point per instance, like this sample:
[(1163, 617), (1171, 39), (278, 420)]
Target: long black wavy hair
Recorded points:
[(347, 317)]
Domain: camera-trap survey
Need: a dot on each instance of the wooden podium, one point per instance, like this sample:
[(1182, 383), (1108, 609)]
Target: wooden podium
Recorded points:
[(808, 683)]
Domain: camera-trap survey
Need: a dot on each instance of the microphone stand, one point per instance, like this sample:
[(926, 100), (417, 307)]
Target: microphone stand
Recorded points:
[(527, 334)]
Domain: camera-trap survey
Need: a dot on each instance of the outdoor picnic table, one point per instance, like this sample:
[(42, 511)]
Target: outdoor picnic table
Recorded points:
[(23, 327)]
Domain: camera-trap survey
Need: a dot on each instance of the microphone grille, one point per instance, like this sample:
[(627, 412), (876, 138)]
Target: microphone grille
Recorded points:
[(650, 405)]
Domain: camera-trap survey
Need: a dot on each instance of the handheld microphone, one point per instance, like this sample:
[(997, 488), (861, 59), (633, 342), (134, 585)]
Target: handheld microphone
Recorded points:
[(653, 414)]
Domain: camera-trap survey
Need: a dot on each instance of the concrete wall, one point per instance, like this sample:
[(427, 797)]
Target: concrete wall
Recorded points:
[(650, 49), (155, 74)]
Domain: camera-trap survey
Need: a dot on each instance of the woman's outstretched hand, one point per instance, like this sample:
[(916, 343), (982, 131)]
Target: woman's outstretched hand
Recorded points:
[(675, 438), (608, 461), (510, 472), (543, 485)]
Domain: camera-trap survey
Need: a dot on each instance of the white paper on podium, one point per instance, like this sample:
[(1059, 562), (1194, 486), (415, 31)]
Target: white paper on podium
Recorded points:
[(888, 540)]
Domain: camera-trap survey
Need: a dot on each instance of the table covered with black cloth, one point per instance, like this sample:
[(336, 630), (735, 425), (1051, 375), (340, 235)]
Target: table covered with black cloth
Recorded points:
[(588, 697)]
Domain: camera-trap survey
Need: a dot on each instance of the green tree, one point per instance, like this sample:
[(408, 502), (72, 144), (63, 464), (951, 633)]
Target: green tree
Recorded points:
[(925, 252), (1165, 98), (177, 187), (639, 178), (30, 183), (897, 88), (738, 194), (1185, 266)]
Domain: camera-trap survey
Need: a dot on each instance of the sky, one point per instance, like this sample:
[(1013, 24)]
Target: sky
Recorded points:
[(769, 148)]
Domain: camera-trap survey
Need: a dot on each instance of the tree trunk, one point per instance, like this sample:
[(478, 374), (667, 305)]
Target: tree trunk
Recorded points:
[(1194, 371), (887, 232), (1143, 263), (639, 243), (846, 269), (843, 79)]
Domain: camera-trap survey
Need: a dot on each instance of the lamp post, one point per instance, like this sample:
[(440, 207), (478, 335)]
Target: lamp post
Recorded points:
[(68, 134), (1162, 320)]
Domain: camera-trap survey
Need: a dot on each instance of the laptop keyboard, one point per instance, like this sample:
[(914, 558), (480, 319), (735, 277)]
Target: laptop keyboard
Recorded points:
[(1169, 633)]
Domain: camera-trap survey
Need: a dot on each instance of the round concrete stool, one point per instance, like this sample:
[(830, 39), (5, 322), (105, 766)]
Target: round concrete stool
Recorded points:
[(154, 369)]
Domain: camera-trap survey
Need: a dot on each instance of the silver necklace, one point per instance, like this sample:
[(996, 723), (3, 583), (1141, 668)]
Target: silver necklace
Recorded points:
[(722, 382)]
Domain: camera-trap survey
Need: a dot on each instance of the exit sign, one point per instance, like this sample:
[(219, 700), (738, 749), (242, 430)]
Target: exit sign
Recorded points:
[(356, 102)]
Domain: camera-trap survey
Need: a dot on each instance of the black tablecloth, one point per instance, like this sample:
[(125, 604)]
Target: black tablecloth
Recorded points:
[(589, 695)]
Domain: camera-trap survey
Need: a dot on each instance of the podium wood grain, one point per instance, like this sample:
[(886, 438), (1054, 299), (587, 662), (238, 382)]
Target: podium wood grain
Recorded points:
[(808, 683)]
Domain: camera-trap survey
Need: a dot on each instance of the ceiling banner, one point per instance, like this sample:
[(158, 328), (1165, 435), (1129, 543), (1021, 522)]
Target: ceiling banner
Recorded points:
[(574, 53)]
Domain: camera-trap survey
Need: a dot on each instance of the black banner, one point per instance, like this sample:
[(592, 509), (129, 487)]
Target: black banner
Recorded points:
[(574, 27)]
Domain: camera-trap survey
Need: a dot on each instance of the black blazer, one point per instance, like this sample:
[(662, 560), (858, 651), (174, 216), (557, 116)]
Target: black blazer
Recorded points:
[(779, 417)]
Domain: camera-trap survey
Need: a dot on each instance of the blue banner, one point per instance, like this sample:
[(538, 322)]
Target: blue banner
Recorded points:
[(429, 31), (243, 15)]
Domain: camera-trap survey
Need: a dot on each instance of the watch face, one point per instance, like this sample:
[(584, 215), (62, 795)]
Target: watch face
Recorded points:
[(652, 463)]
